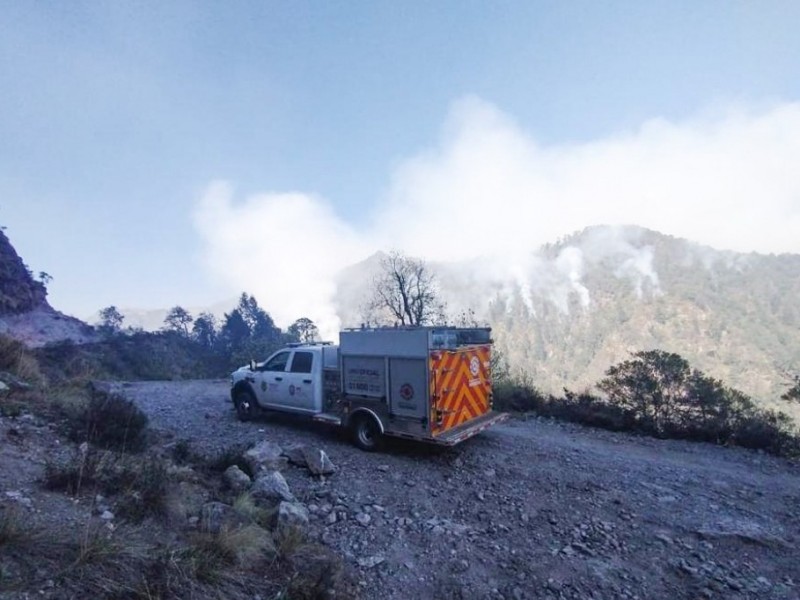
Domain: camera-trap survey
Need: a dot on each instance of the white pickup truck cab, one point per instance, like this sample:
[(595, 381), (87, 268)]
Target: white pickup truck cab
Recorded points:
[(291, 380)]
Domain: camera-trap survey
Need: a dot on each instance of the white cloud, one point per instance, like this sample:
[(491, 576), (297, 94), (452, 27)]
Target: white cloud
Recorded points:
[(729, 180)]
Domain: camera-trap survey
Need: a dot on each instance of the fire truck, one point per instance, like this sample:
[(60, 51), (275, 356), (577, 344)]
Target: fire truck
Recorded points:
[(431, 384)]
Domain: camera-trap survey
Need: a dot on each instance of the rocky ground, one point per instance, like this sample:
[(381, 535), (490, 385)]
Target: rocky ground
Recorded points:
[(529, 509), (44, 325)]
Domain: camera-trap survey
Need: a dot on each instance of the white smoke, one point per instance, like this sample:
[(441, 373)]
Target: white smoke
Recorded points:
[(487, 189), (283, 248)]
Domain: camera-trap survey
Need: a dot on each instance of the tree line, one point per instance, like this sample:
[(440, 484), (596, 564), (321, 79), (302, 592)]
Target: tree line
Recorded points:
[(246, 332)]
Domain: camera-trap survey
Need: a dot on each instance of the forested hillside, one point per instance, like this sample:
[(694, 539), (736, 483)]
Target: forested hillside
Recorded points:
[(578, 306), (734, 316)]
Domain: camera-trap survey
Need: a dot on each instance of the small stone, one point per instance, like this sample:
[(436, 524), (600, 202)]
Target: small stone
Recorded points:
[(363, 519), (553, 585), (383, 468), (331, 518), (370, 561), (664, 538), (107, 515)]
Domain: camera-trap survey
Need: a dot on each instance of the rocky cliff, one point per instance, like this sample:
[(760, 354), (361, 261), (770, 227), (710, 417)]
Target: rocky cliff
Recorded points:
[(24, 311)]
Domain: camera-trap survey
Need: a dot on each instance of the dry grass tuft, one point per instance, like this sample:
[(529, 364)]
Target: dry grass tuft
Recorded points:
[(14, 531)]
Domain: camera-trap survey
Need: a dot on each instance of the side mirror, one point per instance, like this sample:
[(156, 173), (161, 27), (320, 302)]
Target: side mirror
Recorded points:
[(252, 365)]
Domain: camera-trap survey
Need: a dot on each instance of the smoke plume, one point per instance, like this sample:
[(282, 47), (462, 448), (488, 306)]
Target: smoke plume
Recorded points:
[(488, 195)]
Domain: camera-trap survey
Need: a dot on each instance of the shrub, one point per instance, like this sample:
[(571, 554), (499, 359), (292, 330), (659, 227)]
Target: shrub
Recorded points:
[(767, 430), (13, 529), (318, 573), (111, 422), (17, 360), (70, 475), (229, 456), (146, 493), (518, 395), (10, 408), (182, 451), (140, 481), (657, 393)]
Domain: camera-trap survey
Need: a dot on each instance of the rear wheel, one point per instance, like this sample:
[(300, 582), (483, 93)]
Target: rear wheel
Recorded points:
[(366, 433), (245, 404)]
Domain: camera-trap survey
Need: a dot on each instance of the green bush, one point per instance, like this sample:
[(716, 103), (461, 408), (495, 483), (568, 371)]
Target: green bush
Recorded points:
[(109, 421), (139, 482), (229, 456), (19, 362), (146, 491), (657, 393)]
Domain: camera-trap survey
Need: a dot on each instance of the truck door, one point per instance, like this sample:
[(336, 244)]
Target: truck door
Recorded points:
[(299, 379), (272, 386)]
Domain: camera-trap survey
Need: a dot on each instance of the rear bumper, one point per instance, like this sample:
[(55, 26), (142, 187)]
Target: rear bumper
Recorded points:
[(453, 436)]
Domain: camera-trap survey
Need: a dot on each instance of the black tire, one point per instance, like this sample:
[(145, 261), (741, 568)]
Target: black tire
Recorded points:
[(245, 404), (366, 433)]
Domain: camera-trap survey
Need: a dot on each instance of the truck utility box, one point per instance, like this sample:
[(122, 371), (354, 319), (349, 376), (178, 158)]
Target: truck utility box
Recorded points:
[(425, 383), (434, 378)]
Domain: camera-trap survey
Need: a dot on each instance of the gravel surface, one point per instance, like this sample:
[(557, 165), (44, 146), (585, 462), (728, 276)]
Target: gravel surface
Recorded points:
[(528, 509)]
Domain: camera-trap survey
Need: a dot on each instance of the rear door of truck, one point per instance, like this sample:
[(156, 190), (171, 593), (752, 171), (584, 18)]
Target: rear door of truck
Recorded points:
[(460, 386)]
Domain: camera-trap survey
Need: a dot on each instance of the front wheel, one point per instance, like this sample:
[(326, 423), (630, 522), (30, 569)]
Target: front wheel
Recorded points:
[(245, 404), (366, 433)]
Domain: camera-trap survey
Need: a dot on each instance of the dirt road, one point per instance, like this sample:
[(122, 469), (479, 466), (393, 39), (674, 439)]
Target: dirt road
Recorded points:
[(529, 509)]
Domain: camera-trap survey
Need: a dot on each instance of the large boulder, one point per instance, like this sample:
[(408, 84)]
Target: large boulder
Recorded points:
[(270, 488), (318, 462), (236, 479), (290, 517), (265, 456), (314, 459)]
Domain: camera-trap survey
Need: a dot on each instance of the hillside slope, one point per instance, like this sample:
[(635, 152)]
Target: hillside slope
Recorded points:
[(24, 311), (583, 304), (734, 316)]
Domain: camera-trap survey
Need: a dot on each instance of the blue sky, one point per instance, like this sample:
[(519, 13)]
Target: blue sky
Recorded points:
[(119, 120)]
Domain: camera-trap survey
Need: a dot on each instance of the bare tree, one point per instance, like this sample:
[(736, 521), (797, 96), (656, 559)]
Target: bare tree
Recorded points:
[(406, 292)]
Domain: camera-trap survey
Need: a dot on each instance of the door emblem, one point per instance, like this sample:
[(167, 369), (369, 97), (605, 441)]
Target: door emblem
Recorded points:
[(474, 366), (406, 391), (291, 390), (263, 386)]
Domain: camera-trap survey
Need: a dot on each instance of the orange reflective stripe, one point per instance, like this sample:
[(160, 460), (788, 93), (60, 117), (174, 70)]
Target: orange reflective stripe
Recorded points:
[(451, 375)]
